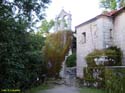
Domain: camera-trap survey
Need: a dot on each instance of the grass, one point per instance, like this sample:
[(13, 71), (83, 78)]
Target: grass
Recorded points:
[(91, 90), (39, 88)]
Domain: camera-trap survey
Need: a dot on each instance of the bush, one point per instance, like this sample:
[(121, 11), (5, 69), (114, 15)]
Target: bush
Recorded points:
[(94, 76), (90, 57), (115, 80), (71, 60), (113, 53)]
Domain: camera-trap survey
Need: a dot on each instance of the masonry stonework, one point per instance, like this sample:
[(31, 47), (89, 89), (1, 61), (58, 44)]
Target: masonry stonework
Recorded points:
[(100, 32)]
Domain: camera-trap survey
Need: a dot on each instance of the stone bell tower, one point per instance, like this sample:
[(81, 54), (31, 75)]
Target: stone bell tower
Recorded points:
[(63, 21)]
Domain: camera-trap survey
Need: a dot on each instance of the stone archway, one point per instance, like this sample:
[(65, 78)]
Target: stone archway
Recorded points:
[(63, 21)]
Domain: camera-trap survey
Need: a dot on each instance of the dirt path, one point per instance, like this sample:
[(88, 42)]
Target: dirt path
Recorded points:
[(61, 89)]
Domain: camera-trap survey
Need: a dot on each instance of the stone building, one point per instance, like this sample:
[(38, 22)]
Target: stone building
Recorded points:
[(100, 32)]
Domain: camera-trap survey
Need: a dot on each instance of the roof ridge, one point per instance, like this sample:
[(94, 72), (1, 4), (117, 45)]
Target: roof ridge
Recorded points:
[(108, 14)]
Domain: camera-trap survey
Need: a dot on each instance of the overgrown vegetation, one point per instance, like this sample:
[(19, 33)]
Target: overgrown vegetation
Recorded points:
[(21, 59), (112, 4), (94, 76), (97, 75), (115, 80), (113, 53), (71, 60), (56, 48)]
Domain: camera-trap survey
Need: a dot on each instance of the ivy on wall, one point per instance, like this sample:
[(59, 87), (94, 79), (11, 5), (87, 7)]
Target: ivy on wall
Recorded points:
[(112, 53), (56, 47), (97, 75)]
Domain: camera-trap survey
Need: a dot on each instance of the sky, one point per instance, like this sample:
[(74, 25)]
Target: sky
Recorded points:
[(81, 10)]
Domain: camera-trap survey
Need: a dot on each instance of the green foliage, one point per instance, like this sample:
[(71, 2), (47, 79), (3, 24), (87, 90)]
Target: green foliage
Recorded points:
[(90, 79), (21, 61), (112, 52), (26, 9), (36, 41), (19, 55), (13, 44), (56, 48), (71, 60), (108, 4), (115, 54), (91, 90), (112, 4), (46, 26), (112, 80), (90, 57), (35, 66), (115, 80)]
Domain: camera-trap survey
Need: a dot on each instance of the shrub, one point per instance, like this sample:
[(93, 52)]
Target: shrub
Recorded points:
[(115, 80), (90, 57), (113, 53), (71, 60), (96, 74)]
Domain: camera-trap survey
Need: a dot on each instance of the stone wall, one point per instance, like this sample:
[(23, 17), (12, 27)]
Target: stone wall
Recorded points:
[(119, 33), (101, 32), (97, 37)]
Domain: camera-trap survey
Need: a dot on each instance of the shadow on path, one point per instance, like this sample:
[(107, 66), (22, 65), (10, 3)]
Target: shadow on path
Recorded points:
[(61, 89)]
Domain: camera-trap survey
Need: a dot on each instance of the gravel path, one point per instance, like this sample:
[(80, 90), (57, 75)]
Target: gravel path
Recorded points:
[(61, 89)]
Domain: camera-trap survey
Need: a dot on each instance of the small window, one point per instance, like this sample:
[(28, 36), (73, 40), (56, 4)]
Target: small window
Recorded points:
[(84, 37), (110, 33)]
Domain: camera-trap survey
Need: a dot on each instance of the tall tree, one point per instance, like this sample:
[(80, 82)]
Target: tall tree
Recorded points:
[(28, 10), (35, 66), (56, 48), (108, 4), (15, 17), (112, 4)]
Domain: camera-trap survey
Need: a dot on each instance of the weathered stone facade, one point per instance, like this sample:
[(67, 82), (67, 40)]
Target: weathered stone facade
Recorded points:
[(119, 32), (101, 32)]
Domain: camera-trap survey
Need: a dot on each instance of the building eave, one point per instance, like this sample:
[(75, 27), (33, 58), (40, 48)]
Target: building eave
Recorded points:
[(110, 14), (91, 20)]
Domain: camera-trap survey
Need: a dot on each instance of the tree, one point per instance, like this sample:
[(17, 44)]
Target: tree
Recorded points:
[(15, 17), (56, 48), (28, 10), (13, 47), (121, 3), (108, 4), (46, 26), (112, 4), (36, 66)]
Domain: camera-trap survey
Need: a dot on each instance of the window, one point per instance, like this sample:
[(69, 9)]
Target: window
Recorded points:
[(110, 33), (84, 37)]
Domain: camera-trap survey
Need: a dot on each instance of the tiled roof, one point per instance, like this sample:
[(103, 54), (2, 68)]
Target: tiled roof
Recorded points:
[(108, 14), (114, 12)]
